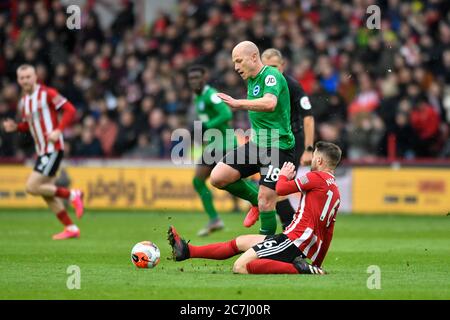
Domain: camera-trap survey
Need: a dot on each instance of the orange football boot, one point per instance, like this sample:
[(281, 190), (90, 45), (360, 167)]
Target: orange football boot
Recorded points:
[(67, 234), (252, 217)]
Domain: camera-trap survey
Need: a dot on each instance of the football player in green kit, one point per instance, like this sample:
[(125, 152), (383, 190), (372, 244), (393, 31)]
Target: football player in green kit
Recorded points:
[(272, 142), (213, 114)]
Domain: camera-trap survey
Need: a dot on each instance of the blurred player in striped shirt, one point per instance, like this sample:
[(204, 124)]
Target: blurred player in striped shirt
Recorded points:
[(38, 109)]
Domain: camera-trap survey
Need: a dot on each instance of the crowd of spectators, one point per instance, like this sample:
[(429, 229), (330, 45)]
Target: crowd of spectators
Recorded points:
[(375, 92)]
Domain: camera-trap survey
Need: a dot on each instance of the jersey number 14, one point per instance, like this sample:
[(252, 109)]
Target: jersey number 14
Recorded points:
[(327, 206)]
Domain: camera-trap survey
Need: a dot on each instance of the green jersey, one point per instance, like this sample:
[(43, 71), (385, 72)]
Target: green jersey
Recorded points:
[(215, 114), (270, 80)]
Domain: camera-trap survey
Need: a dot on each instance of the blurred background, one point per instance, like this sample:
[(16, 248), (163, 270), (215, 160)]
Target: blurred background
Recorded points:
[(382, 95)]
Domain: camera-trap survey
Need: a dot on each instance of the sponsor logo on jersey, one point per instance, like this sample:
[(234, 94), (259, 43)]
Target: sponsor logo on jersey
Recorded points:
[(256, 90), (304, 102), (215, 99), (304, 179), (270, 80)]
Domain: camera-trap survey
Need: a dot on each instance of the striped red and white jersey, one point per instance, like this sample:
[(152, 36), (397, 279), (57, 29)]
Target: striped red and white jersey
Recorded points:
[(311, 230), (40, 111)]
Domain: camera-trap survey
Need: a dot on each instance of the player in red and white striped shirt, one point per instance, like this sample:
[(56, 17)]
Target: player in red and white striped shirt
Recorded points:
[(308, 236), (39, 108)]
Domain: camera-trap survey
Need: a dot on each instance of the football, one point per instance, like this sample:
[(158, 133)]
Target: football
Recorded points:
[(145, 254)]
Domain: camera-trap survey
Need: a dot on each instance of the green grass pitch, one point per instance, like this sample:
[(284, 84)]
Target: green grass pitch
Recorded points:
[(412, 252)]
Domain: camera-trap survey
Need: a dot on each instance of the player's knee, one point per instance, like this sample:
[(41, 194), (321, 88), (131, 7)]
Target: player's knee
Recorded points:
[(217, 180), (266, 203), (242, 243), (222, 175), (31, 189), (239, 267), (264, 207)]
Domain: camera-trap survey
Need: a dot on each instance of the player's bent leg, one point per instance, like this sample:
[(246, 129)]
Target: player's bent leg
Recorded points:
[(70, 229), (267, 199), (228, 178), (270, 266), (223, 175), (245, 242), (40, 185), (54, 204), (240, 265)]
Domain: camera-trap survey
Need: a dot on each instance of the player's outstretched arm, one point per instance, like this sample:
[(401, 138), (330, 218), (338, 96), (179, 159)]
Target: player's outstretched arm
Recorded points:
[(265, 104)]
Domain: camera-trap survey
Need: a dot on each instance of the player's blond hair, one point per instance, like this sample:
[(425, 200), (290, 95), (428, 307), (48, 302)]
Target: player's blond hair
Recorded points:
[(272, 52), (25, 66)]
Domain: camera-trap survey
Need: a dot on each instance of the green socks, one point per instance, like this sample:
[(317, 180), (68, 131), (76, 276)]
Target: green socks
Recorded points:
[(245, 190), (206, 197), (268, 222), (248, 191)]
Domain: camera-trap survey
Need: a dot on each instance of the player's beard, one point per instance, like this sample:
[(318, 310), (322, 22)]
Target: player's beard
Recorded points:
[(27, 88)]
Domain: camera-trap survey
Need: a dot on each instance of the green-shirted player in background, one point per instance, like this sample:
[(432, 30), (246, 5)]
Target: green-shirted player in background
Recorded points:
[(214, 114), (269, 110)]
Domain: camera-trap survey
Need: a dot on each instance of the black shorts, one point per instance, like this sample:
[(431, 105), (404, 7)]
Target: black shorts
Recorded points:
[(48, 164), (249, 159), (278, 247)]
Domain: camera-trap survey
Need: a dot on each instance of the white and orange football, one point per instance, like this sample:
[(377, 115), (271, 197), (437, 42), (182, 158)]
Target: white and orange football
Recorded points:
[(145, 254)]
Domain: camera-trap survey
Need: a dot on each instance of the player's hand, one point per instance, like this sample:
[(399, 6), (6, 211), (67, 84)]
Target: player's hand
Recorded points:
[(288, 170), (9, 125), (229, 100), (306, 158), (54, 136)]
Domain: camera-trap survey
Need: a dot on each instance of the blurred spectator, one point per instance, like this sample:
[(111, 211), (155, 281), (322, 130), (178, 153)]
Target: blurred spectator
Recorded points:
[(405, 136), (365, 133), (106, 131), (88, 146), (329, 78), (366, 100), (157, 125), (305, 75), (244, 9), (425, 122), (127, 134), (124, 20), (143, 149)]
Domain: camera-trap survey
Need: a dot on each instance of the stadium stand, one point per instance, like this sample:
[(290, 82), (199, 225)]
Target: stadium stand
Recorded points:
[(377, 93)]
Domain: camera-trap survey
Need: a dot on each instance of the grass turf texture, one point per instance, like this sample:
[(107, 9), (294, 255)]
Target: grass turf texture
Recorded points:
[(413, 253)]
